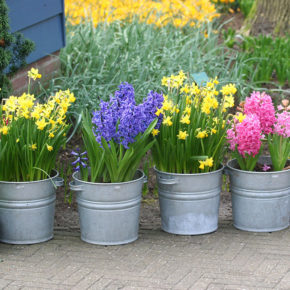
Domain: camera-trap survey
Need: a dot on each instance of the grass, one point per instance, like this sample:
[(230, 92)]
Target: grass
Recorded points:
[(97, 59)]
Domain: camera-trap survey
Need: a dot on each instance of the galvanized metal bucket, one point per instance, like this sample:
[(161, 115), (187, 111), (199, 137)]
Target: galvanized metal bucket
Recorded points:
[(260, 199), (109, 212), (27, 210), (189, 203)]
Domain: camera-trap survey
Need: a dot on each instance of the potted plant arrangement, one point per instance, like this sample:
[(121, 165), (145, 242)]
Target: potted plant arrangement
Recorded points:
[(116, 137), (260, 185), (188, 152), (31, 134)]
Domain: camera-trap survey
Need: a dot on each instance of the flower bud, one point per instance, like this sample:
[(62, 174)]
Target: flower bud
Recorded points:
[(285, 102)]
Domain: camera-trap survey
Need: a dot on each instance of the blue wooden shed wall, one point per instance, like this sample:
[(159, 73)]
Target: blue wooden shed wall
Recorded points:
[(41, 21)]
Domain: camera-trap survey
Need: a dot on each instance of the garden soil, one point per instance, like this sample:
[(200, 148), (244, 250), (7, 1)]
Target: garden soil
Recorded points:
[(66, 214)]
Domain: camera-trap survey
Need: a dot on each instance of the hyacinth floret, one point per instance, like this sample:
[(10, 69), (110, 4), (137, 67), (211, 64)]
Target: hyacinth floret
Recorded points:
[(80, 159), (282, 125), (261, 104), (121, 120), (246, 136)]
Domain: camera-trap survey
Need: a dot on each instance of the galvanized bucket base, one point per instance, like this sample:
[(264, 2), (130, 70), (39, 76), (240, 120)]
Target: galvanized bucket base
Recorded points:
[(27, 211), (194, 232), (258, 230), (109, 212), (260, 200), (189, 203), (27, 242), (106, 243)]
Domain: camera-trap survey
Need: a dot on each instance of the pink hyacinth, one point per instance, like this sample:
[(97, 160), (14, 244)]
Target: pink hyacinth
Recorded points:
[(232, 135), (282, 126), (246, 135), (261, 104)]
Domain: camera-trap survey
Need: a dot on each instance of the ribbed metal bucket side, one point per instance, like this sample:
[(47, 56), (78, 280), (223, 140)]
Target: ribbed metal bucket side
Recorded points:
[(27, 211), (109, 213), (189, 203), (260, 200)]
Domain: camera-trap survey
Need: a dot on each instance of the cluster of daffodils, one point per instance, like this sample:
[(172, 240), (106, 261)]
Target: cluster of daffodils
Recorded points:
[(160, 12), (32, 131), (48, 117), (255, 122), (194, 124)]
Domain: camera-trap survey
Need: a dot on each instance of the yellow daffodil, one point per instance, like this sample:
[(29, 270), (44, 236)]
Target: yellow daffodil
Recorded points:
[(188, 100), (167, 105), (185, 120), (208, 162), (224, 123), (167, 121), (240, 117), (165, 82), (33, 147), (4, 130), (187, 110), (40, 124), (229, 89), (185, 89), (158, 112), (49, 148), (210, 85), (175, 110), (182, 135), (201, 165), (215, 81), (229, 102), (201, 134), (33, 74), (155, 132)]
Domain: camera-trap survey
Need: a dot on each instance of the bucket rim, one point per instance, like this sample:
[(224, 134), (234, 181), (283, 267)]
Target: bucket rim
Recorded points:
[(228, 166), (189, 174), (54, 171), (110, 183)]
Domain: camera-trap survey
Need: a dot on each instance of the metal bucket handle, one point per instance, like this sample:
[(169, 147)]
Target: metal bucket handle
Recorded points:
[(145, 179), (58, 181), (75, 187), (165, 181)]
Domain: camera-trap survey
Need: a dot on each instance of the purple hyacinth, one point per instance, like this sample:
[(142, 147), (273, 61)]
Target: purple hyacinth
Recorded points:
[(121, 120), (80, 161)]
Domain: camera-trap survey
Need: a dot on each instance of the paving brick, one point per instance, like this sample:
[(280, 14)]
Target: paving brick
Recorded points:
[(226, 259), (4, 283)]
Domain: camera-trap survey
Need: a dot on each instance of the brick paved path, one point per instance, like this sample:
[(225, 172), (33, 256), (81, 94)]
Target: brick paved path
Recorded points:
[(226, 259)]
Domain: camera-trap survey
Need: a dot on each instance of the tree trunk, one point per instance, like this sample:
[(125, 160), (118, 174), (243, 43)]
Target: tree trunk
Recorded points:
[(269, 17)]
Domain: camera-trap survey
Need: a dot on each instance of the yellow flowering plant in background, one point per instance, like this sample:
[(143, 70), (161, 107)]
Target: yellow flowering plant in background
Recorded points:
[(192, 136), (158, 12), (31, 134)]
